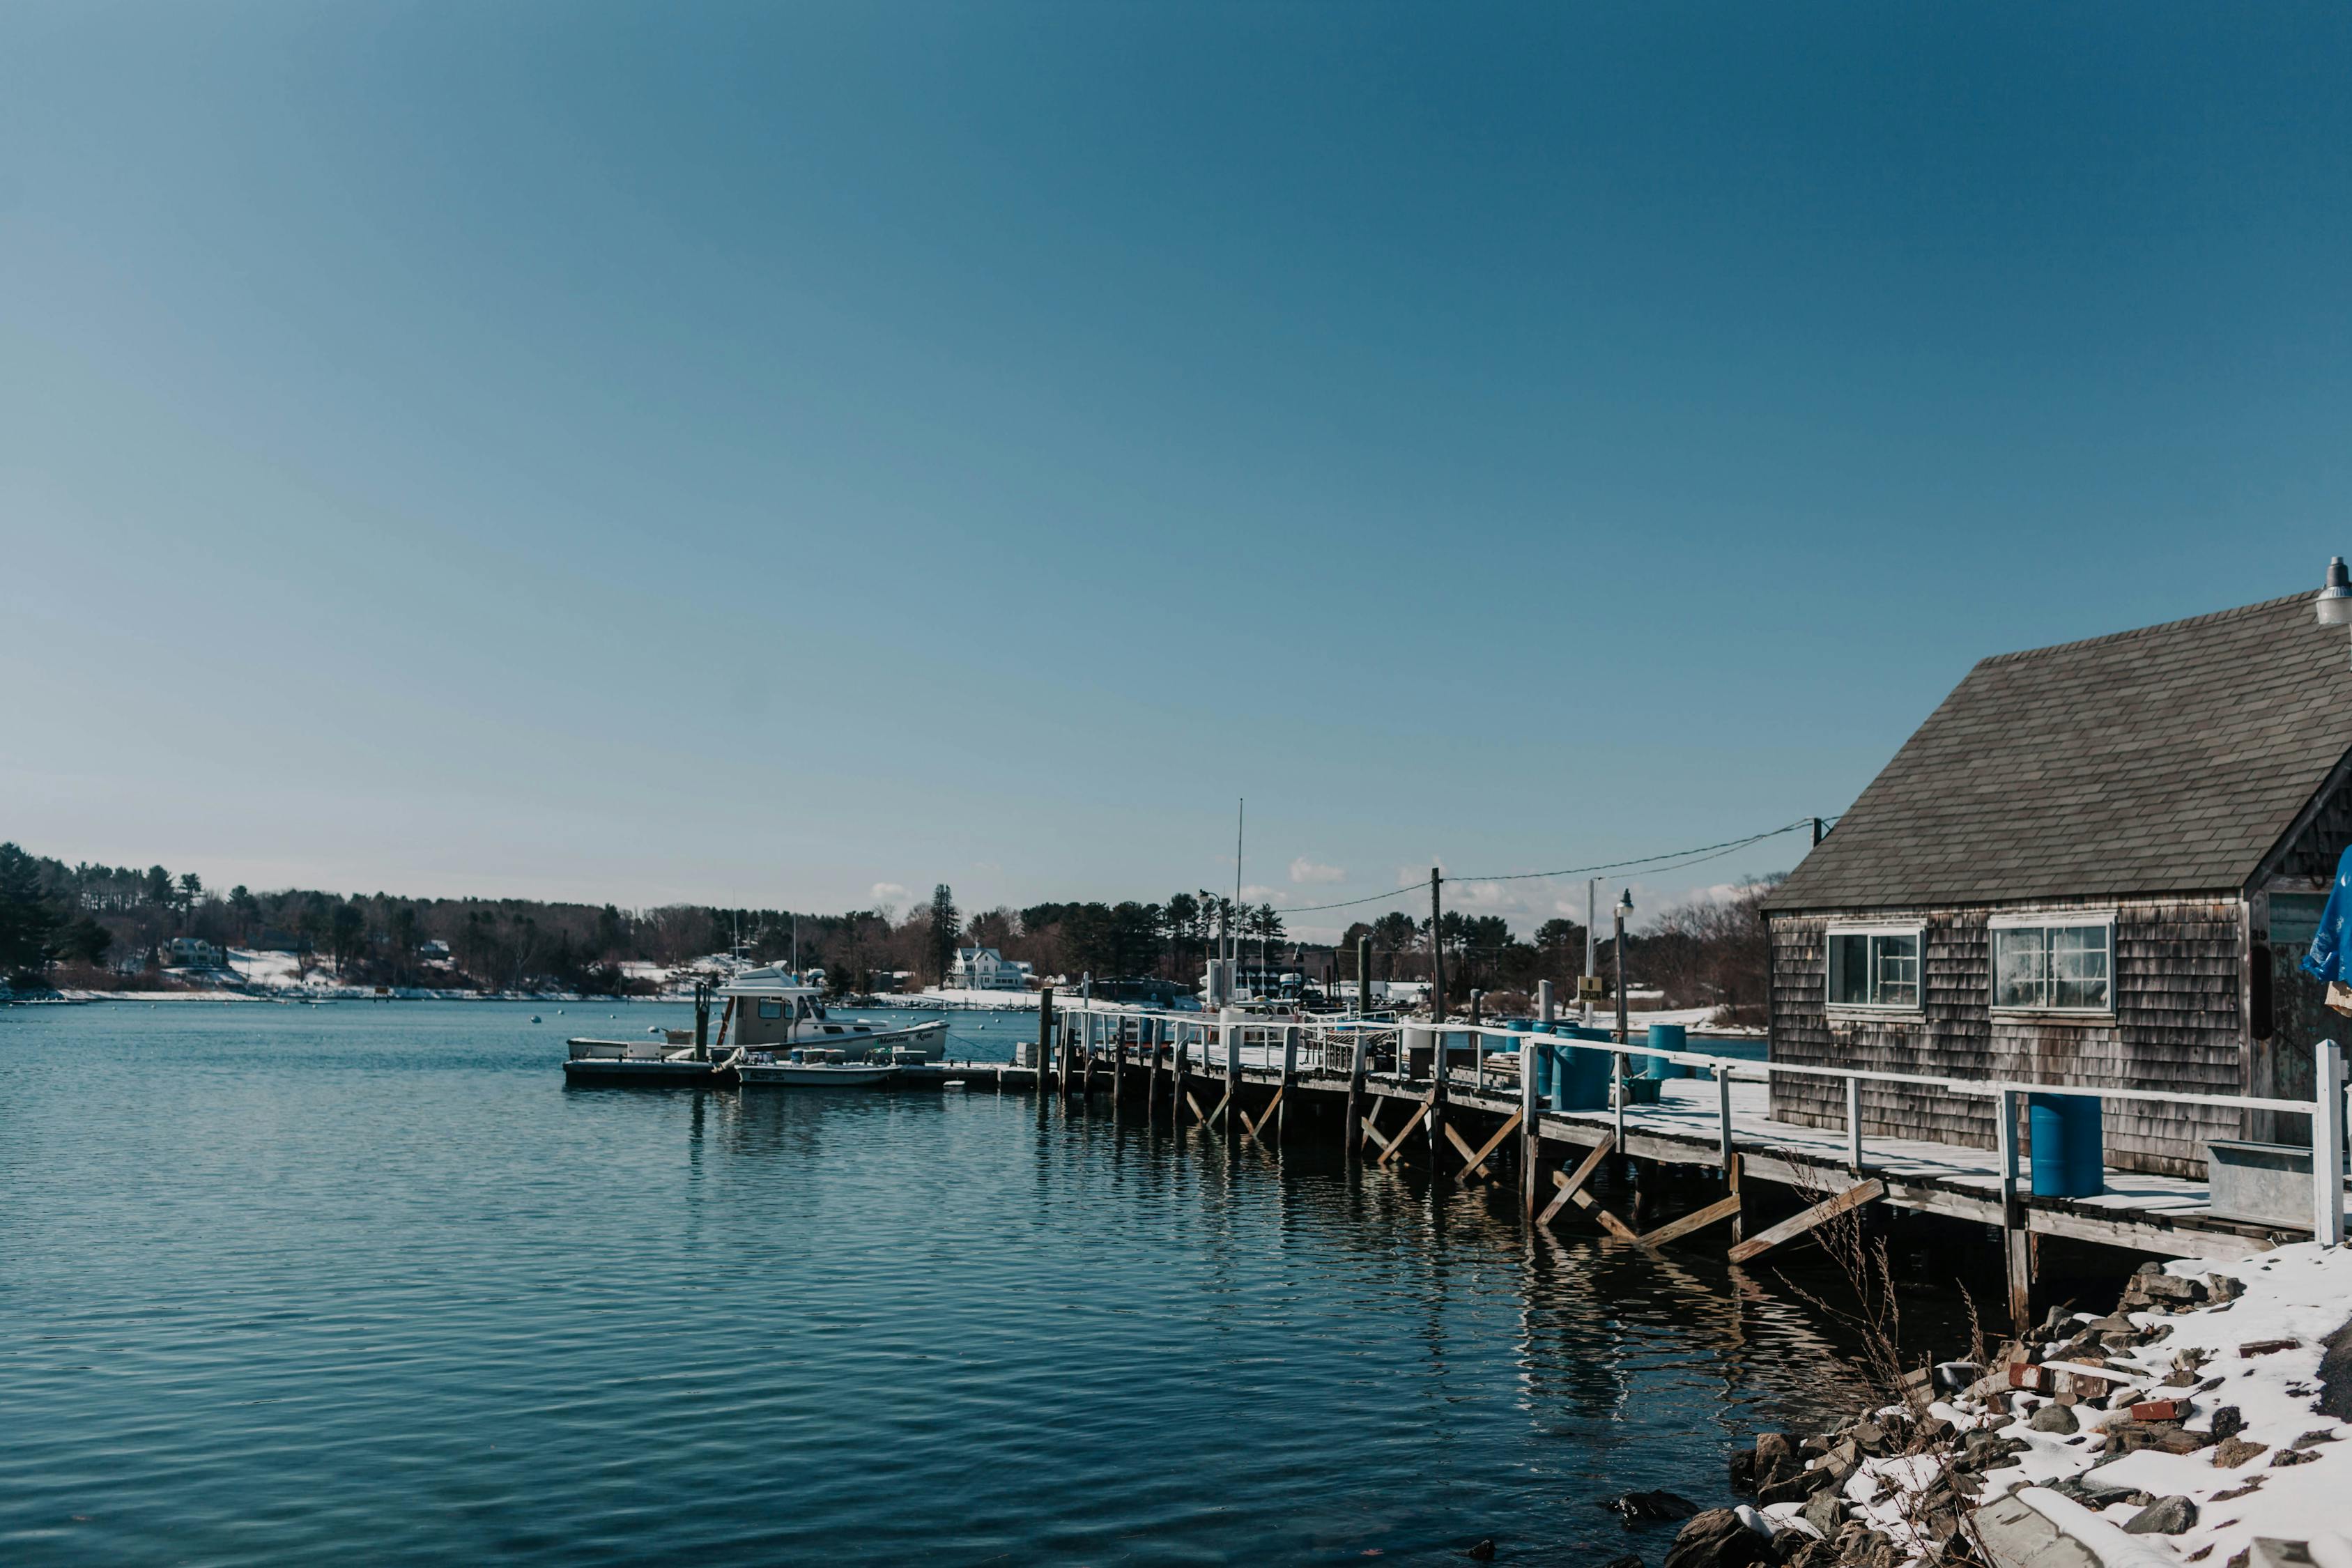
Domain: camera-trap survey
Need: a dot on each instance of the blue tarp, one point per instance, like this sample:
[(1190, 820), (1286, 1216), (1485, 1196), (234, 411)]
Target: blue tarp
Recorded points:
[(2325, 958)]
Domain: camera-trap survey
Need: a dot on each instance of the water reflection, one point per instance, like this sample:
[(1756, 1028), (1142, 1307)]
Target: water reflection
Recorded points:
[(378, 1286)]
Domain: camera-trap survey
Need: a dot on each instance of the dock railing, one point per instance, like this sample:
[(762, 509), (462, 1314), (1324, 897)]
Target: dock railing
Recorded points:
[(1328, 1046)]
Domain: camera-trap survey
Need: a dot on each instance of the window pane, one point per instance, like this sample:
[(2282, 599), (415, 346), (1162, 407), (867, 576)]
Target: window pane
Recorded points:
[(2078, 966), (1898, 971), (2019, 968), (1849, 970)]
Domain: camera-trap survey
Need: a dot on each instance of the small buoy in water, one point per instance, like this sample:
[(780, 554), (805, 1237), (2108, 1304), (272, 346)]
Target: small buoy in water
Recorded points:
[(534, 1017)]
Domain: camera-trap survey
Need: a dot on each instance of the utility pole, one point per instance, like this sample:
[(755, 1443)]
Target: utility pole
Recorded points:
[(1592, 912), (1618, 952), (1437, 1023)]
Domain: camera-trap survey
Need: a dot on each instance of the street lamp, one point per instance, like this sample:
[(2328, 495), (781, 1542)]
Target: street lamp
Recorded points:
[(2333, 605), (1624, 908)]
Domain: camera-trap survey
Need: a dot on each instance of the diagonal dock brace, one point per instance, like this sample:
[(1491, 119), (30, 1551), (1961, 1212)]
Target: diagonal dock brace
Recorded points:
[(1396, 1145), (1473, 1160), (1724, 1207), (1572, 1189), (1764, 1241)]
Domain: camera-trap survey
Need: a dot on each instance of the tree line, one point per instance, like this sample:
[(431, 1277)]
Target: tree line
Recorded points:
[(95, 926)]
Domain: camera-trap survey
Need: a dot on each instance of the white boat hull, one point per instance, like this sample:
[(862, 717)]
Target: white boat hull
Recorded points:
[(813, 1075), (930, 1037)]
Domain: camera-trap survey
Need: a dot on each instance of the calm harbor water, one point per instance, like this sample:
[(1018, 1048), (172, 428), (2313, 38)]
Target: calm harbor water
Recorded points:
[(369, 1283)]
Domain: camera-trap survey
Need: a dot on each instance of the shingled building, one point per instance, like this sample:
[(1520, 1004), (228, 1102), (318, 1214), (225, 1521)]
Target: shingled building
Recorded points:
[(2097, 864)]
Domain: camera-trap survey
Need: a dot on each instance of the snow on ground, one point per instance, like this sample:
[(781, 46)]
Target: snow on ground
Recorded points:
[(2259, 1355), (959, 996), (2274, 1466)]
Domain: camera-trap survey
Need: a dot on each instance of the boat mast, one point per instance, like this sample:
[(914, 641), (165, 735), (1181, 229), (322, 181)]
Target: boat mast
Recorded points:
[(1234, 926)]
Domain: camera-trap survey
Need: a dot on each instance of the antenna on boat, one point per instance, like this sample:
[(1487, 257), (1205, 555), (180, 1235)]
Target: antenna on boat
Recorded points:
[(1234, 926)]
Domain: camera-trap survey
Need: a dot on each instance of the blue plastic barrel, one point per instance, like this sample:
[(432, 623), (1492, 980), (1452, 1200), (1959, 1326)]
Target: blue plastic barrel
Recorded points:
[(1664, 1037), (2068, 1146), (1580, 1079), (1534, 1059)]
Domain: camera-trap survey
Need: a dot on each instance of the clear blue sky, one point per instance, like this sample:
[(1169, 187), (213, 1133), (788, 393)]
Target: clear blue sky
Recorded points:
[(757, 453)]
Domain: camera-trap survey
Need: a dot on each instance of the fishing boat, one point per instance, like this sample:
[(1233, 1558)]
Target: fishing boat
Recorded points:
[(773, 1014), (774, 1010)]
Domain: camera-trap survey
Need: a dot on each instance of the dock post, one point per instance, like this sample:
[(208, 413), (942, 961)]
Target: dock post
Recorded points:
[(2327, 1145), (1152, 1028), (1045, 1039), (1853, 1123), (1437, 1019), (1726, 1153), (1617, 1093), (1231, 1032), (1290, 1036), (1530, 1108), (1176, 1090), (1359, 1048), (701, 1022), (2017, 1247), (1085, 1039)]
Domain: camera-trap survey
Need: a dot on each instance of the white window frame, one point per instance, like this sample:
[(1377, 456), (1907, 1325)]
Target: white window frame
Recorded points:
[(2048, 919), (1916, 929)]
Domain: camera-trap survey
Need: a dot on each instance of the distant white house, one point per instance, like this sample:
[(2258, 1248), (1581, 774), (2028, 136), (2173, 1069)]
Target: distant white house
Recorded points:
[(434, 952), (189, 953), (985, 969)]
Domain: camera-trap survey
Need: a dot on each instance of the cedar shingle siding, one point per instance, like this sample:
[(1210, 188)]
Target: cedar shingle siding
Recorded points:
[(2164, 774), (2175, 1026)]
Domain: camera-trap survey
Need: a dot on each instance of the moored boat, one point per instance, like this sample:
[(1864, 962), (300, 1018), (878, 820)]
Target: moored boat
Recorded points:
[(774, 1010), (812, 1070), (772, 1016), (646, 1062)]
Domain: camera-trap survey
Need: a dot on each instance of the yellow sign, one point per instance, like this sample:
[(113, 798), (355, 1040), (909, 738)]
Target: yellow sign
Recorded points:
[(1588, 986)]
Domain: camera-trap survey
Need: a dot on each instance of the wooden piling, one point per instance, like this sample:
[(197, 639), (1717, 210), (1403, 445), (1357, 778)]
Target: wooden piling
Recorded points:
[(1044, 1040), (1085, 1052), (1231, 1032), (2016, 1243), (1176, 1091), (1357, 1051), (1290, 1034), (1530, 1108)]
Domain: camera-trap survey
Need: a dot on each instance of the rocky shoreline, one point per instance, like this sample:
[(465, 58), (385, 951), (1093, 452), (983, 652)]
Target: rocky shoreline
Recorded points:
[(2212, 1406)]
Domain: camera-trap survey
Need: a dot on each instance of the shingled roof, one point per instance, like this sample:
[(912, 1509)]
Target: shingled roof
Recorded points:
[(2165, 760)]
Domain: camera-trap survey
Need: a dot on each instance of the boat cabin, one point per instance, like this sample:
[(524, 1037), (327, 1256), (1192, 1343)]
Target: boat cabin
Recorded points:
[(774, 1006)]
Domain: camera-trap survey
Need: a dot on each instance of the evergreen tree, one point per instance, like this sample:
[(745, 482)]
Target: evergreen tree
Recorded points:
[(945, 925), (27, 923)]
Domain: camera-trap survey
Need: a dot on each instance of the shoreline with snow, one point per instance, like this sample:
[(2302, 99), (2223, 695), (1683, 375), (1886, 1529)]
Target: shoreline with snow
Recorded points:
[(2213, 1406)]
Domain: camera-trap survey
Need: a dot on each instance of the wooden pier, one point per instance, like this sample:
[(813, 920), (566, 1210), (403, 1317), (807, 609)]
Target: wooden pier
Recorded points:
[(1379, 1091)]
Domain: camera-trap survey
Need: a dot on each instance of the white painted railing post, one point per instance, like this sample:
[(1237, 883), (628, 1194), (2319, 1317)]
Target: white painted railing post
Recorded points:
[(1229, 1026), (1854, 1123), (1723, 1115), (2327, 1145), (1618, 1093)]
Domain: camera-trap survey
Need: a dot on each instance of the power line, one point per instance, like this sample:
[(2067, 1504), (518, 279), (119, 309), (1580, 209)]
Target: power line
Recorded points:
[(1680, 858)]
